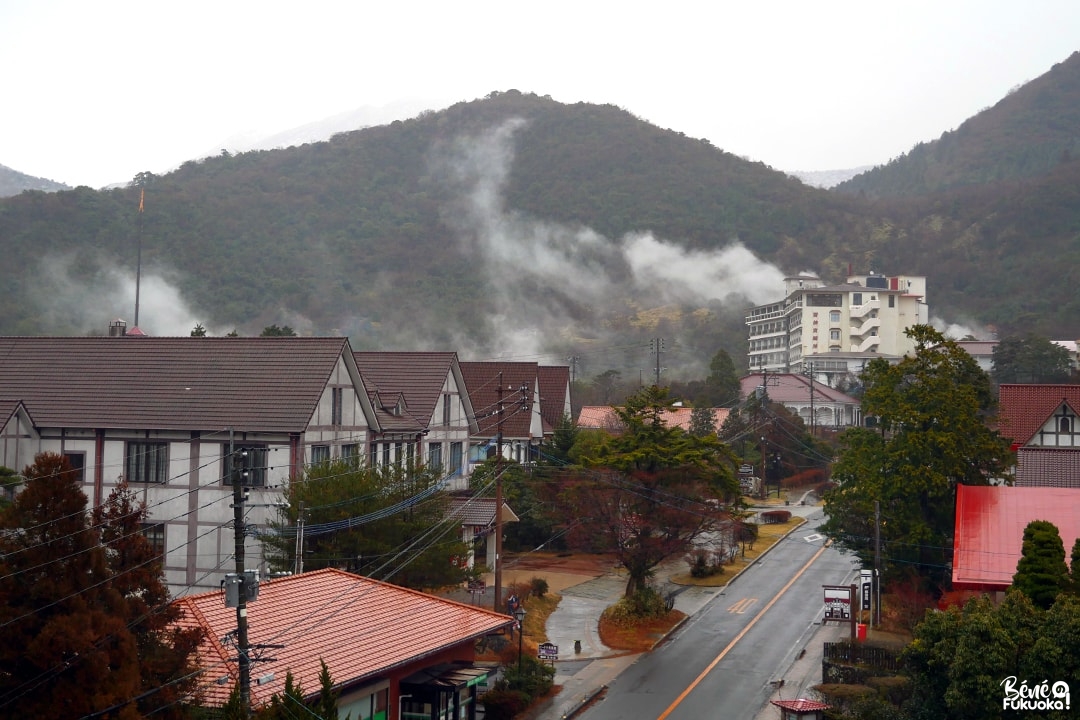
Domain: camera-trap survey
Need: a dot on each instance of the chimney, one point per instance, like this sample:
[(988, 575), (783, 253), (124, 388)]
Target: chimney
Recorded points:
[(117, 328)]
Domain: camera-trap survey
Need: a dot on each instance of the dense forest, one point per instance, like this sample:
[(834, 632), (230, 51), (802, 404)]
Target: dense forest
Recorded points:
[(519, 226)]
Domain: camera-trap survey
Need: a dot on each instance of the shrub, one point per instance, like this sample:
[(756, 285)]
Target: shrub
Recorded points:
[(704, 563), (503, 703), (645, 603), (775, 516), (538, 586)]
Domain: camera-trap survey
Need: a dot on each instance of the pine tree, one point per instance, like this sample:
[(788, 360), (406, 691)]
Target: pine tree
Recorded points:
[(1041, 573)]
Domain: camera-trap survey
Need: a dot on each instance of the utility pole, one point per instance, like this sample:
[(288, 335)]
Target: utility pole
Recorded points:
[(298, 565), (240, 469), (573, 360), (876, 615), (658, 346), (498, 500)]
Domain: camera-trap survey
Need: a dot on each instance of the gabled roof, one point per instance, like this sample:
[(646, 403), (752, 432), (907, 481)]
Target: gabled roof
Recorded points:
[(801, 705), (268, 384), (990, 524), (478, 511), (554, 392), (359, 627), (793, 388), (482, 382), (1024, 408), (419, 377), (8, 408), (603, 417)]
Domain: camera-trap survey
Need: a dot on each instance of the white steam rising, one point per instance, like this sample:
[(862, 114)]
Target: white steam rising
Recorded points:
[(548, 279)]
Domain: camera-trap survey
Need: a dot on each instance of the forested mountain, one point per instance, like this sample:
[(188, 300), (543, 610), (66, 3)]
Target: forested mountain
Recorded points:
[(516, 225), (13, 182), (1025, 135)]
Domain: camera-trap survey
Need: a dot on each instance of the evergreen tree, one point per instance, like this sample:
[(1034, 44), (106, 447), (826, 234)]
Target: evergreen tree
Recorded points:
[(931, 435), (65, 647), (1030, 359), (1041, 573), (166, 653), (646, 501)]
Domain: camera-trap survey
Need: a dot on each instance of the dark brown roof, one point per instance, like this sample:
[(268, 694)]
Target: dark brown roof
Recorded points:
[(554, 381), (270, 384), (482, 381), (418, 377)]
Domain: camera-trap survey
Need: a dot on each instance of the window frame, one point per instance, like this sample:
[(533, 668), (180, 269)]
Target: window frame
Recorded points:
[(143, 468), (259, 467)]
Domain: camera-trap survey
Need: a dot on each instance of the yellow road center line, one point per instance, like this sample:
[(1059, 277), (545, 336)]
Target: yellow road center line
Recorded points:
[(737, 638)]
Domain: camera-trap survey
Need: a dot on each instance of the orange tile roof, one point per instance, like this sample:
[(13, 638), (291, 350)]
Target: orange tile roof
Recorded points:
[(1024, 408), (359, 627), (990, 524), (603, 417)]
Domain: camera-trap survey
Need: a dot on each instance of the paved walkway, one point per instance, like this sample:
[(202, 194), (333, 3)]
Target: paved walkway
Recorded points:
[(585, 674)]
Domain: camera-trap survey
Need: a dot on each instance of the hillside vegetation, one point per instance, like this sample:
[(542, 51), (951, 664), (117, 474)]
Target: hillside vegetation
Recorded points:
[(516, 224)]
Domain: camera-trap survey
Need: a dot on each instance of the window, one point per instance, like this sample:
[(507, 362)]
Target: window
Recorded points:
[(834, 334), (446, 408), (146, 462), (834, 316), (155, 535), (256, 464), (336, 400), (320, 454), (386, 454), (77, 461), (856, 298), (434, 454), (350, 453), (455, 458), (892, 301)]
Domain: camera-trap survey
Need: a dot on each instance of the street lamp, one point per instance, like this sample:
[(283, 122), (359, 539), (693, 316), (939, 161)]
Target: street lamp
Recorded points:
[(519, 614)]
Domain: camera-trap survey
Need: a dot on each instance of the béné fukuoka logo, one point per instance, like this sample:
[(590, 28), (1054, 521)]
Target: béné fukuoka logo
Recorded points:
[(1039, 696)]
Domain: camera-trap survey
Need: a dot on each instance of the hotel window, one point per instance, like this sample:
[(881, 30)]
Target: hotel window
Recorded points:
[(146, 462), (320, 454), (155, 535), (834, 334), (834, 316), (337, 396), (257, 464), (455, 458)]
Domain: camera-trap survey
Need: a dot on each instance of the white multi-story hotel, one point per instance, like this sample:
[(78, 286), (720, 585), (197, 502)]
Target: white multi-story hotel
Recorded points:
[(829, 330)]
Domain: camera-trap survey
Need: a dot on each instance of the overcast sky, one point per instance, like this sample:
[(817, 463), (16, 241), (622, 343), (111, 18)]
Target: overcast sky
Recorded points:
[(97, 91)]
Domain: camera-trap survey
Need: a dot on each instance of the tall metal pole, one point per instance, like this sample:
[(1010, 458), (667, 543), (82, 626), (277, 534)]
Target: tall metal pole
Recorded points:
[(298, 565), (138, 261), (498, 501), (877, 564), (244, 660)]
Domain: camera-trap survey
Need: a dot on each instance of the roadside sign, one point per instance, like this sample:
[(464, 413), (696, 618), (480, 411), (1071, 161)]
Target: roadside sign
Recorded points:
[(746, 469), (477, 587), (547, 651)]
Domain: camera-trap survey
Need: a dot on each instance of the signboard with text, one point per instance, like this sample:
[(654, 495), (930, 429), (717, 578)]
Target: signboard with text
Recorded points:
[(547, 651), (837, 603)]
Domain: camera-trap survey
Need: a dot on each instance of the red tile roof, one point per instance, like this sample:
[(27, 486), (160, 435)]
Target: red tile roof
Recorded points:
[(801, 705), (1024, 408), (603, 417), (263, 384), (482, 382), (359, 627), (990, 524)]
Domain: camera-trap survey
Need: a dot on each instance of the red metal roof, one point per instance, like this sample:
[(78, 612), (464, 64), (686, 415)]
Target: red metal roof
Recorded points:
[(1024, 408), (990, 524), (359, 627)]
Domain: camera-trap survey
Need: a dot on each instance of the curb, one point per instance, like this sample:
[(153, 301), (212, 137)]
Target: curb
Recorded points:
[(726, 585), (584, 702)]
